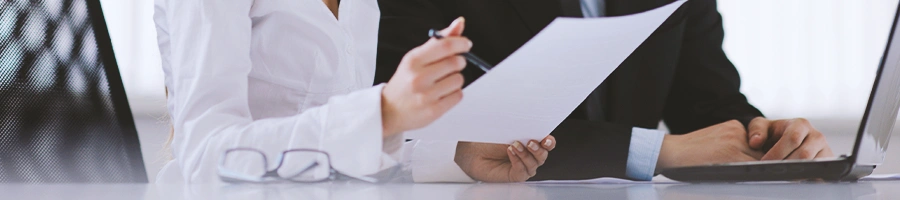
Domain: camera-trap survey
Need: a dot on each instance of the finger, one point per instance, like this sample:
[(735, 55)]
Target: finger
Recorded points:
[(549, 143), (440, 70), (436, 50), (776, 131), (758, 131), (793, 137), (456, 28), (539, 153), (517, 170), (812, 145), (530, 162), (445, 103), (447, 86), (825, 153)]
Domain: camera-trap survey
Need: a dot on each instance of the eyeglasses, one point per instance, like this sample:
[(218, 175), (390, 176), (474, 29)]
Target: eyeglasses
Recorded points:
[(248, 165)]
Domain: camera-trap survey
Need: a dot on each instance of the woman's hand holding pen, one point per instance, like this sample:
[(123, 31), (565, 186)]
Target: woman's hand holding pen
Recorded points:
[(427, 83)]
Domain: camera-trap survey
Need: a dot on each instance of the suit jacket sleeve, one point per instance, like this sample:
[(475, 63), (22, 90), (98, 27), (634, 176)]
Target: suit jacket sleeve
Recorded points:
[(599, 149), (706, 87), (586, 150), (404, 26)]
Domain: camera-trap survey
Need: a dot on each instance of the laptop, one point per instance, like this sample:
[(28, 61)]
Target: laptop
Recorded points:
[(868, 151)]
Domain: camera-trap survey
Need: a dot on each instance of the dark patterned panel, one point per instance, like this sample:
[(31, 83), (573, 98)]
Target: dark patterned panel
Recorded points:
[(58, 116)]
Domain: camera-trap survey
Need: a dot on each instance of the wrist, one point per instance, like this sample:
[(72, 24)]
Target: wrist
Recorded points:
[(386, 133), (463, 159), (387, 130), (668, 156), (388, 127)]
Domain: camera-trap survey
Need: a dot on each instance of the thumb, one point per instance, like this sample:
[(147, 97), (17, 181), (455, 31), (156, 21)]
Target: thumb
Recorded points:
[(455, 28), (758, 133)]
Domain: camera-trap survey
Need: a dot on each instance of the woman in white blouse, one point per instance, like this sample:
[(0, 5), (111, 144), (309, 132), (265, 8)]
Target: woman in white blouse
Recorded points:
[(287, 74)]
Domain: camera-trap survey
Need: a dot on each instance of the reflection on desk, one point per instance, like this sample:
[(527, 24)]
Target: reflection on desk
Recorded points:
[(355, 191)]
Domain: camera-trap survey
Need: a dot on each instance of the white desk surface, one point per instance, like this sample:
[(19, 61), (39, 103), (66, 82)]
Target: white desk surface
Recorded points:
[(355, 191)]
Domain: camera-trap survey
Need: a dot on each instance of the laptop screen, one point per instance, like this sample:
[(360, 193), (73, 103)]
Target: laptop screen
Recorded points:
[(884, 102)]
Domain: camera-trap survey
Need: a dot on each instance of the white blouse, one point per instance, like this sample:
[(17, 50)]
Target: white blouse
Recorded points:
[(276, 75)]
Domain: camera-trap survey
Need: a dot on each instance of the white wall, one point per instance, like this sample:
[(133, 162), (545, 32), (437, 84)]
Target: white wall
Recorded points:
[(814, 59), (134, 40)]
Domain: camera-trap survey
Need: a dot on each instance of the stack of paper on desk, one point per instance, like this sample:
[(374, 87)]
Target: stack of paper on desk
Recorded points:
[(531, 92)]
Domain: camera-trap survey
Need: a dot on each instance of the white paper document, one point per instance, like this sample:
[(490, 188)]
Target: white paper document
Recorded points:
[(531, 92), (881, 177)]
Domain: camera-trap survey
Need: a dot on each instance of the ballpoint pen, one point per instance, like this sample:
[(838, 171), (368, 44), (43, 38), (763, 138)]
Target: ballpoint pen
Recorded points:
[(469, 56)]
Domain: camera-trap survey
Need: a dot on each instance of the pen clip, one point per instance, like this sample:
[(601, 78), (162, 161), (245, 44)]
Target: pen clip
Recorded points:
[(434, 33)]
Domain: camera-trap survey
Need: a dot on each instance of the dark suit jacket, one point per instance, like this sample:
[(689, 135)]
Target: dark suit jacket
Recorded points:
[(679, 75)]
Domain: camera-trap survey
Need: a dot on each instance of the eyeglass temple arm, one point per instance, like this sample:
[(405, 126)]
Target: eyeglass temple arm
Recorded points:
[(310, 167)]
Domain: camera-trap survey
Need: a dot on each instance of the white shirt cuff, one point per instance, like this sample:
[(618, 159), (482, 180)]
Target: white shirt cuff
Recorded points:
[(352, 133), (432, 161), (643, 153)]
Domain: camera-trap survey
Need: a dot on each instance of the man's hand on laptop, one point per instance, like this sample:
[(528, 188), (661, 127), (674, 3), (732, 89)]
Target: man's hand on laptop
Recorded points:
[(787, 139), (503, 163), (721, 143)]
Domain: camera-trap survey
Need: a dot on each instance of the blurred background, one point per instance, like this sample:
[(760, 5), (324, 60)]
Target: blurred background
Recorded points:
[(812, 59)]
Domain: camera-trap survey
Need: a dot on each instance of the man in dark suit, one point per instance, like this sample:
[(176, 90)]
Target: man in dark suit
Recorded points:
[(679, 75)]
